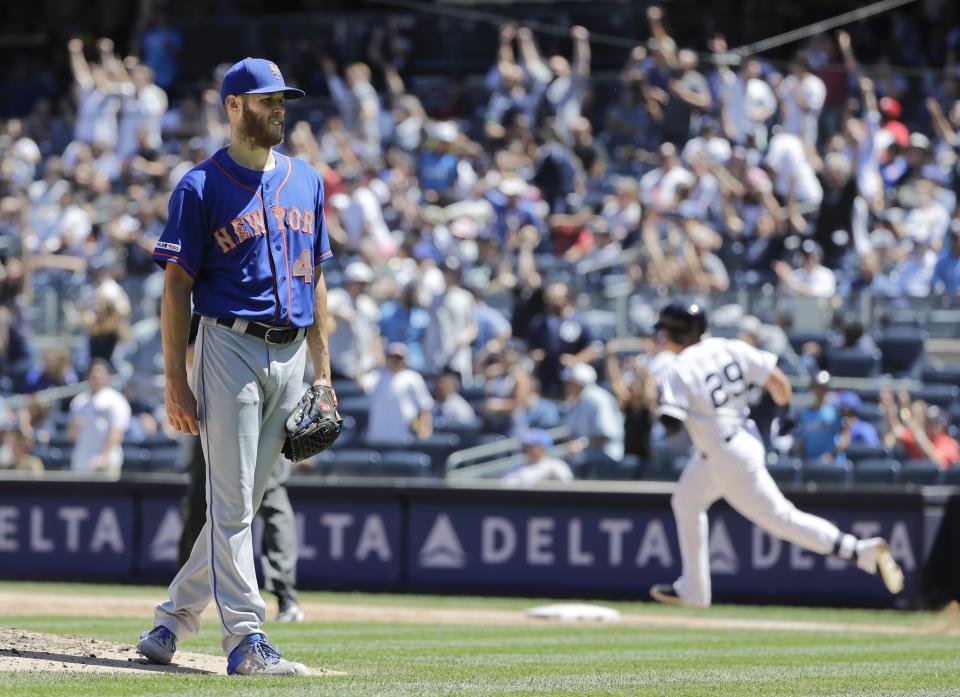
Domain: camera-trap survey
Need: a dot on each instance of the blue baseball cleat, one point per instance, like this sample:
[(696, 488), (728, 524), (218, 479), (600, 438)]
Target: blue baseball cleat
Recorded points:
[(255, 656), (158, 645)]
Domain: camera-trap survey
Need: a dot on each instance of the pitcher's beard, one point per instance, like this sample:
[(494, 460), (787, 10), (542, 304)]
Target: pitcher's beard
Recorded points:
[(260, 132)]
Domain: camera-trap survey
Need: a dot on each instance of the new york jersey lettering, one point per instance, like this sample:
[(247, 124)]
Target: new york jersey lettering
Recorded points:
[(231, 229)]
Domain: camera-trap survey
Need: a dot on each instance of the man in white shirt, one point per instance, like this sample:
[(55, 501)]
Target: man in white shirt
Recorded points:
[(747, 101), (595, 419), (793, 175), (812, 279), (355, 344), (400, 403), (451, 409), (362, 215), (453, 326), (99, 418), (539, 467), (802, 95), (144, 105)]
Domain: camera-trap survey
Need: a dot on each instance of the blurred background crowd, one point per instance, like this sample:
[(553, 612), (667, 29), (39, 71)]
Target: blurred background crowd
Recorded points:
[(505, 227)]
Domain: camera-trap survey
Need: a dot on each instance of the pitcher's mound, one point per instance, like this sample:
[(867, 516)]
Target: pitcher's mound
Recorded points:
[(33, 651)]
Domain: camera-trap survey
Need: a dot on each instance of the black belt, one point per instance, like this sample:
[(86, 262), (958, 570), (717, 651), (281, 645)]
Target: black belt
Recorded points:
[(267, 332)]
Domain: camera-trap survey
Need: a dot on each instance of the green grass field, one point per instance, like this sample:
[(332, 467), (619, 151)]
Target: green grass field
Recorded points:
[(535, 659)]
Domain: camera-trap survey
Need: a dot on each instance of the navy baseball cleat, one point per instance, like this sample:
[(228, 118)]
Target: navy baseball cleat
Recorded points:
[(255, 656), (665, 593), (158, 645)]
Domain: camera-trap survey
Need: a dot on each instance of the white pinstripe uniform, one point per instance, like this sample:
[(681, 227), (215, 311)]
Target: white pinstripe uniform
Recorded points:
[(706, 388)]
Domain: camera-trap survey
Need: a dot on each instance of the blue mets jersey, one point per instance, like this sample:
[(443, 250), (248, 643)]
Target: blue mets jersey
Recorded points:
[(249, 239)]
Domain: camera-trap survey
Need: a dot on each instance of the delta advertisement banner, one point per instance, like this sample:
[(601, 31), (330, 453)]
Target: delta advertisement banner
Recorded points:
[(627, 550), (341, 543), (66, 536), (430, 544)]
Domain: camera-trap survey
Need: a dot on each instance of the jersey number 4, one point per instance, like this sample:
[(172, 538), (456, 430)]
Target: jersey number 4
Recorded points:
[(725, 384), (303, 266)]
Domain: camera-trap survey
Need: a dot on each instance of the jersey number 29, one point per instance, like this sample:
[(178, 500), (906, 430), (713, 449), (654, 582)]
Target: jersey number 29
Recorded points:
[(725, 384)]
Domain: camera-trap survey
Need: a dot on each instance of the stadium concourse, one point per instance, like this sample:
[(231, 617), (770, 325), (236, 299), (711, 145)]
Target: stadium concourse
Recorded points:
[(501, 255)]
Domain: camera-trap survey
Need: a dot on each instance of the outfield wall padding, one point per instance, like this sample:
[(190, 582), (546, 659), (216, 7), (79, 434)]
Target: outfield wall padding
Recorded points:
[(588, 540)]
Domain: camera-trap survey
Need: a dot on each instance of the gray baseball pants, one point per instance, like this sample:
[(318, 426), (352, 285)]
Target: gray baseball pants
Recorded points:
[(245, 390)]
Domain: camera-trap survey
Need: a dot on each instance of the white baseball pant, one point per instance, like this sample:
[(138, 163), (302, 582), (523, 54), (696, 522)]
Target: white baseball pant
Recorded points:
[(736, 472)]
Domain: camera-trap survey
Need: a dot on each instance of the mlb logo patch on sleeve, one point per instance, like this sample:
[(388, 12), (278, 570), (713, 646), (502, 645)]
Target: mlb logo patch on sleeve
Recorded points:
[(169, 246)]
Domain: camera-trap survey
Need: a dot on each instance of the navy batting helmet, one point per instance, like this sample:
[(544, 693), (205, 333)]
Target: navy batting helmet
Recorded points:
[(683, 322)]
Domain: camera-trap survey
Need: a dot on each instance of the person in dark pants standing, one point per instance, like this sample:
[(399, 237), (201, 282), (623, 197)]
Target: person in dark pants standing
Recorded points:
[(278, 547)]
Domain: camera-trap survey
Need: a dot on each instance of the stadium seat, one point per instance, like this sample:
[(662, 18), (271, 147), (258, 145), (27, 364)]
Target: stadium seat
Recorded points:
[(164, 459), (921, 472), (485, 438), (348, 432), (941, 375), (785, 471), (347, 461), (853, 363), (468, 433), (943, 324), (403, 463), (878, 471), (951, 475), (52, 458), (944, 396), (348, 389), (901, 351), (59, 439), (136, 459), (901, 319), (158, 441), (599, 466), (438, 447), (858, 453), (473, 393), (835, 473), (798, 339), (358, 407), (870, 411)]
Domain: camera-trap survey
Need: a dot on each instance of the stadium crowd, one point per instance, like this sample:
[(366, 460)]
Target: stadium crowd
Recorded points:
[(473, 253)]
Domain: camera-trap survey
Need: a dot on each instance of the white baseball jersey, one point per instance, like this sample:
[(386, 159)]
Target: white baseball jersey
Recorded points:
[(707, 388)]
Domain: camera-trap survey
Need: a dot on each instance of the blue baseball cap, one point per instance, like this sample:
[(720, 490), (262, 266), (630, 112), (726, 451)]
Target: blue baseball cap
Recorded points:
[(255, 76), (848, 400), (537, 436)]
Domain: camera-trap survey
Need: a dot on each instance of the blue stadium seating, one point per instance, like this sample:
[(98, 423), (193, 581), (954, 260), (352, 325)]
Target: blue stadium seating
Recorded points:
[(438, 447), (53, 458), (944, 396), (359, 408), (853, 363), (835, 473), (901, 350), (902, 319), (920, 472), (952, 475), (599, 466), (348, 432), (468, 433), (798, 339), (941, 374), (347, 461), (943, 324), (857, 453), (136, 459), (403, 463), (785, 471), (878, 471)]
